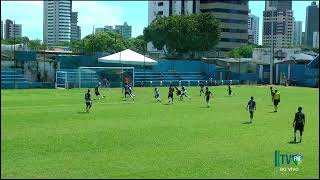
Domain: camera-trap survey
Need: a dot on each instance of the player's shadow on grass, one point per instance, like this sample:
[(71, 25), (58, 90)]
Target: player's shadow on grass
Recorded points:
[(271, 112), (293, 142), (82, 112), (247, 122)]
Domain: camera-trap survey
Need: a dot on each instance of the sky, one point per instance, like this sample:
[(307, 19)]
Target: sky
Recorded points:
[(100, 13)]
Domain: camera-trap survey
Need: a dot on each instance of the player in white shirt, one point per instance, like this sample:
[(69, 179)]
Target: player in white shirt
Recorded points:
[(184, 93), (157, 94)]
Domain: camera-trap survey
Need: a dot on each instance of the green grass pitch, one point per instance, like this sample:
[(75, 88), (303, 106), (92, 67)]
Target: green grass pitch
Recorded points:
[(46, 134)]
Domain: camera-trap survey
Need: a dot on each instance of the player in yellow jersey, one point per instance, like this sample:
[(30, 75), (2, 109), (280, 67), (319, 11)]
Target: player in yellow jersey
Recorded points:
[(276, 100)]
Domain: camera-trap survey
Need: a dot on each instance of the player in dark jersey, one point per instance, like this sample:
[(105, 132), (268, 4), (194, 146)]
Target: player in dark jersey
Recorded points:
[(229, 90), (127, 90), (201, 89), (87, 98), (298, 123), (96, 91), (252, 107), (157, 94), (170, 94), (178, 91), (184, 93), (208, 95), (272, 92)]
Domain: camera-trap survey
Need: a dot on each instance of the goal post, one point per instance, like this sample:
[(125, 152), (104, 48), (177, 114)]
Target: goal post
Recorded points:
[(61, 80), (89, 77)]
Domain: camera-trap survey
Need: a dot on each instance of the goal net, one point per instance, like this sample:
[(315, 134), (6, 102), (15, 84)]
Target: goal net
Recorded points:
[(89, 77)]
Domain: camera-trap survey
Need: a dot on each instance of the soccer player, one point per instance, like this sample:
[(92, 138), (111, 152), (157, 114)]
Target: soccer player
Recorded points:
[(201, 89), (184, 93), (127, 90), (298, 123), (96, 91), (87, 98), (178, 92), (276, 100), (208, 95), (170, 94), (272, 93), (130, 91), (157, 94), (252, 107), (229, 90)]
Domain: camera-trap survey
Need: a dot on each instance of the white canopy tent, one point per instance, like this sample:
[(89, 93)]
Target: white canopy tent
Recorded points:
[(128, 57)]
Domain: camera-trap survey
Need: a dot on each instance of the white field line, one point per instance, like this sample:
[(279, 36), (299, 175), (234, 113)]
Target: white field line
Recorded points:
[(61, 105)]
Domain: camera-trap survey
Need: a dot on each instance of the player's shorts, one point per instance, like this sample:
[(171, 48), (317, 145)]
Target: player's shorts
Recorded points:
[(184, 93), (230, 92), (156, 96), (299, 127), (276, 102), (97, 93), (170, 95), (251, 112), (88, 103), (207, 99), (127, 93)]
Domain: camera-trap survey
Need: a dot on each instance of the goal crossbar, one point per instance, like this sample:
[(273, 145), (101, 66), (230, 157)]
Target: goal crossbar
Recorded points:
[(124, 68)]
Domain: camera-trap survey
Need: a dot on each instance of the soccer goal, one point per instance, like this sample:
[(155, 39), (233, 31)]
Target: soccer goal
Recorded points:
[(61, 80), (89, 77)]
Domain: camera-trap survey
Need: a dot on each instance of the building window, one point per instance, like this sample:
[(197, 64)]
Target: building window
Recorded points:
[(233, 11), (233, 30), (160, 12), (160, 3), (234, 40), (236, 21)]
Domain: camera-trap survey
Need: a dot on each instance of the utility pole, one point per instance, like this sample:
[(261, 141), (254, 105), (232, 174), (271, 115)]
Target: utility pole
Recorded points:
[(14, 53), (239, 70)]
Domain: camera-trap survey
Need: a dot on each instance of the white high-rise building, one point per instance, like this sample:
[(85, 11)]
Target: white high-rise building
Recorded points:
[(1, 29), (56, 21), (277, 23), (297, 33), (125, 30), (167, 8), (253, 29), (315, 40)]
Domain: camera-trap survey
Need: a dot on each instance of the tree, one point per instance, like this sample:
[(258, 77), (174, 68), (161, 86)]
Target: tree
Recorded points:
[(183, 35), (37, 45), (138, 44), (244, 51), (101, 42), (16, 40)]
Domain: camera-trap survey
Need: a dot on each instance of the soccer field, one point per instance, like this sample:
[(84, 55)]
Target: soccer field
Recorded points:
[(47, 134)]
